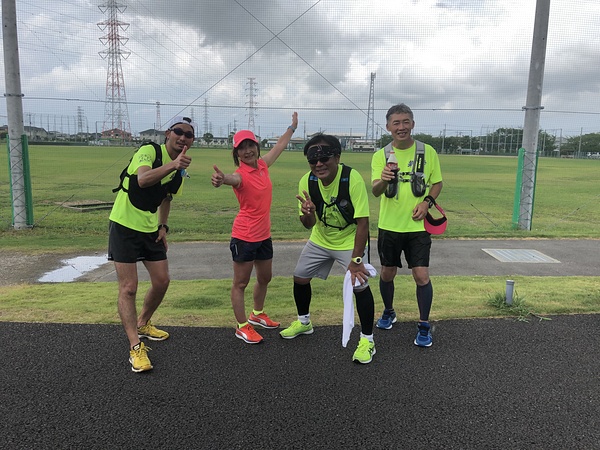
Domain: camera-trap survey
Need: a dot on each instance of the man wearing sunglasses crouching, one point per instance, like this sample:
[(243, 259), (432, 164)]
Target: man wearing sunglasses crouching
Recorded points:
[(340, 230), (138, 232)]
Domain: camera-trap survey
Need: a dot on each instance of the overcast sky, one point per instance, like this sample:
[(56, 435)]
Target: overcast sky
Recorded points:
[(462, 65)]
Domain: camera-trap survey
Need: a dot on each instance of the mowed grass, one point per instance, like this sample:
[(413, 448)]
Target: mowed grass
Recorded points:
[(478, 197), (206, 302)]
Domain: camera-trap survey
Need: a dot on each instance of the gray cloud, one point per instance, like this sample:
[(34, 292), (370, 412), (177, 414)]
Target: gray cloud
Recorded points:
[(461, 55)]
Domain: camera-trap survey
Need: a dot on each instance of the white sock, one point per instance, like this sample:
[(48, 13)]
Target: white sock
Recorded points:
[(368, 336), (304, 320)]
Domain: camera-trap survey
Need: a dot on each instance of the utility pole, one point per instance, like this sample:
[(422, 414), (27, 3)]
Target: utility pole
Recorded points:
[(206, 115), (370, 133), (116, 114), (532, 110), (251, 103), (22, 203), (158, 125)]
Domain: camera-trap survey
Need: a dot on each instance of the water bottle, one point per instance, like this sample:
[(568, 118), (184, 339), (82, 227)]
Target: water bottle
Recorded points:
[(392, 164)]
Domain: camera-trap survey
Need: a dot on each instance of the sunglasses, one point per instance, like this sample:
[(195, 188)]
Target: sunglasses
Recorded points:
[(322, 160), (180, 132)]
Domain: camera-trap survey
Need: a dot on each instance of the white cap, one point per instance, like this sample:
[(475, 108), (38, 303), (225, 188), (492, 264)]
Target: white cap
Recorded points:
[(182, 119)]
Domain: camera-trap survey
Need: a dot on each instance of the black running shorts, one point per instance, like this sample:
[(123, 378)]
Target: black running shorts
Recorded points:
[(415, 245), (129, 246)]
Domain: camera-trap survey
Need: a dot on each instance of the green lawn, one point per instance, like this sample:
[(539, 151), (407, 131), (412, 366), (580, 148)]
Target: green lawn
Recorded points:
[(478, 198)]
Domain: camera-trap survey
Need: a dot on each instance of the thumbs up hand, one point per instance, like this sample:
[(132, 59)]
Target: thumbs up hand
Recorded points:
[(217, 178)]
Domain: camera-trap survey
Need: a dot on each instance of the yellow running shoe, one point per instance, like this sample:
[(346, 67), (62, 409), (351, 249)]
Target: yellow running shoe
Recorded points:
[(296, 329), (364, 352), (138, 357), (149, 331)]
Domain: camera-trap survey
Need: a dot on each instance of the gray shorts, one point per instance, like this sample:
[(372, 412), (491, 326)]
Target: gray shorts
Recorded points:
[(316, 261)]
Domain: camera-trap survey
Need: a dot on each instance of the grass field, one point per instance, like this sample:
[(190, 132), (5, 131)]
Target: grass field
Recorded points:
[(477, 196)]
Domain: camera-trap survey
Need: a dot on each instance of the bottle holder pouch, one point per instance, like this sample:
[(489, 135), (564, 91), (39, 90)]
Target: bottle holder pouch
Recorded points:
[(418, 185)]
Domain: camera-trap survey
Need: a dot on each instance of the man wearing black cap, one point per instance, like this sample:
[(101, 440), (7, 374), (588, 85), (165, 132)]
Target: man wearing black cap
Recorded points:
[(340, 230), (138, 232)]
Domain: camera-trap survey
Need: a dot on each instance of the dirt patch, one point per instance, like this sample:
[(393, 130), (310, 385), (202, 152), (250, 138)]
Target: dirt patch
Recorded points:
[(23, 268)]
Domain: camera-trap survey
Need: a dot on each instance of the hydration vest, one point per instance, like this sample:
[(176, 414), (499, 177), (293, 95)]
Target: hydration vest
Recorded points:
[(150, 198), (342, 201), (417, 175)]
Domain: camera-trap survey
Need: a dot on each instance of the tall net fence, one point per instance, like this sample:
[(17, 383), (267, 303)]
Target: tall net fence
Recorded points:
[(89, 68)]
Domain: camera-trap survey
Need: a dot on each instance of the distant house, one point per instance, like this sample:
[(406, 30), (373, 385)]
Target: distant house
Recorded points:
[(362, 146), (35, 133), (116, 134), (346, 139), (295, 143), (152, 135)]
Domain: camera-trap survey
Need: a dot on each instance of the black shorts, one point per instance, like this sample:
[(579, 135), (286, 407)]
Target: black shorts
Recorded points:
[(243, 251), (415, 245), (129, 246)]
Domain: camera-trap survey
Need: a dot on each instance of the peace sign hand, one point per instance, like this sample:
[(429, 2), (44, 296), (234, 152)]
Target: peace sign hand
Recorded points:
[(308, 207)]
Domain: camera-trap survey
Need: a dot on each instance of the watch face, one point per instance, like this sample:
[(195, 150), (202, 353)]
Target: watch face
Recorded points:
[(357, 260)]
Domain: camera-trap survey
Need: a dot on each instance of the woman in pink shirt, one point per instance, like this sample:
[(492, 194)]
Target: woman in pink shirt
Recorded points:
[(251, 244)]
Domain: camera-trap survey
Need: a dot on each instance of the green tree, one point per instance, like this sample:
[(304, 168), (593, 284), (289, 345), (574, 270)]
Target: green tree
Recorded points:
[(208, 137), (384, 140), (581, 145), (546, 143)]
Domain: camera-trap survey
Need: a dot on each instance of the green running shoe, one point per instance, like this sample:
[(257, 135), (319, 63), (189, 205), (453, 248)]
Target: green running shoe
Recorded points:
[(296, 329), (364, 352)]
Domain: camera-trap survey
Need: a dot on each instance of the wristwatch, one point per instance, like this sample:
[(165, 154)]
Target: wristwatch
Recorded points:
[(430, 201), (357, 260), (165, 226)]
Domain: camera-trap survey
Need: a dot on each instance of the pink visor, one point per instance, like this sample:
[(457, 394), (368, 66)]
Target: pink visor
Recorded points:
[(436, 226)]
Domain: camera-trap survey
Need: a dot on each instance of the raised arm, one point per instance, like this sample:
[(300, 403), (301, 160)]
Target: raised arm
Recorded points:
[(282, 142)]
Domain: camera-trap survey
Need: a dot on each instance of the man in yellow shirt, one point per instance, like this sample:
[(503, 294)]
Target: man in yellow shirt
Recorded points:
[(138, 232), (401, 215), (339, 233)]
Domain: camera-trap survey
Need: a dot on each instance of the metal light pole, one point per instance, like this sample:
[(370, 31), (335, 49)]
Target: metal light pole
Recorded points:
[(532, 113), (17, 141)]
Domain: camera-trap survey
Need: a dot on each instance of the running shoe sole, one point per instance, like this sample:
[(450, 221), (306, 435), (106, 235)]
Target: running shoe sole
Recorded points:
[(152, 338), (141, 369), (358, 361), (424, 346), (386, 328), (239, 336), (296, 335)]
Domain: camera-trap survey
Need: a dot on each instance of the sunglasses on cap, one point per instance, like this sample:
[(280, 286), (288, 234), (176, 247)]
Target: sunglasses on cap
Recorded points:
[(180, 132), (320, 153)]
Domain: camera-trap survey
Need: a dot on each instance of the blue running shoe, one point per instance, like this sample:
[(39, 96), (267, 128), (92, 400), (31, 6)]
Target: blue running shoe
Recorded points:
[(423, 338), (387, 319)]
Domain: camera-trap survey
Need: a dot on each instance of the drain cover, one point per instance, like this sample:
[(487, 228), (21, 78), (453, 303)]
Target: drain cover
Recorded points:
[(519, 255)]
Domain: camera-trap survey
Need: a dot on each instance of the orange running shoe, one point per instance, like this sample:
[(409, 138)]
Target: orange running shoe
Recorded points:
[(248, 335), (262, 320)]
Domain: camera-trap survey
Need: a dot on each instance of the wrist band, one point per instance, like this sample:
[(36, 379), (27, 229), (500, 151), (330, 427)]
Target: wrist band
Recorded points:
[(165, 226), (292, 128), (429, 199)]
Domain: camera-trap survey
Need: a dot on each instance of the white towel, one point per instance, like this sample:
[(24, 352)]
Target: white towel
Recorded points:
[(348, 317)]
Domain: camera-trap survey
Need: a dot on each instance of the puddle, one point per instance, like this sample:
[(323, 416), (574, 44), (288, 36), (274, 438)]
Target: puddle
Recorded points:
[(74, 268)]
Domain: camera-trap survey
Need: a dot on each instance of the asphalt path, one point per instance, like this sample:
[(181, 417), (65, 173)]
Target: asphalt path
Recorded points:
[(206, 260), (484, 384)]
